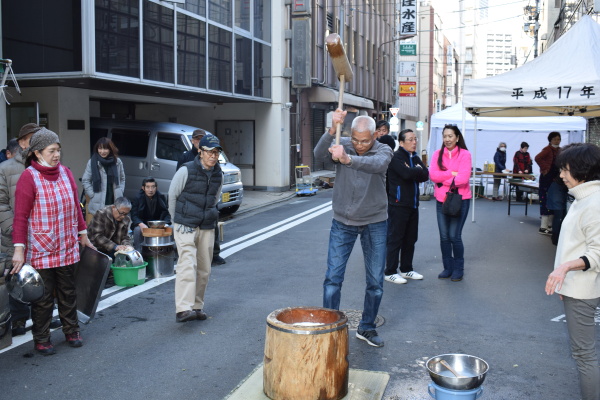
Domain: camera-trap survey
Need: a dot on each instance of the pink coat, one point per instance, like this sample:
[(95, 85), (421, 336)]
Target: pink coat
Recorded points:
[(458, 160)]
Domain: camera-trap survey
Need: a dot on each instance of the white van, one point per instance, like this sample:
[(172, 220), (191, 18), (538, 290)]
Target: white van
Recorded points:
[(152, 149)]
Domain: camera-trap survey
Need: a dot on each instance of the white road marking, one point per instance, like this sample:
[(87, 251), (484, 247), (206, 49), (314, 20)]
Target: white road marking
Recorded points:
[(122, 293)]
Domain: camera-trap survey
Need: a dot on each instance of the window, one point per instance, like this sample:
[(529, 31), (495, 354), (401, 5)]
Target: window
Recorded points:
[(117, 38), (158, 43), (220, 11), (243, 65), (262, 19), (219, 61), (131, 142), (191, 51), (195, 6), (169, 146), (262, 70), (242, 14)]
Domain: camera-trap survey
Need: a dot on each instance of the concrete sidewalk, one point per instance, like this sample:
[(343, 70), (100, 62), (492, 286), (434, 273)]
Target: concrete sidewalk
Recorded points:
[(254, 199)]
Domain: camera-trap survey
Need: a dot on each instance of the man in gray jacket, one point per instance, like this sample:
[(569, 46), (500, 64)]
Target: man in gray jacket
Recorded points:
[(193, 197), (359, 208), (10, 172)]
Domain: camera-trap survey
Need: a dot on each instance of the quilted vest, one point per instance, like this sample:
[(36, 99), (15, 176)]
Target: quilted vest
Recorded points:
[(196, 206)]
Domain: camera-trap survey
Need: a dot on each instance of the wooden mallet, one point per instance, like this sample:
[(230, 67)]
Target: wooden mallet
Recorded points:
[(342, 68)]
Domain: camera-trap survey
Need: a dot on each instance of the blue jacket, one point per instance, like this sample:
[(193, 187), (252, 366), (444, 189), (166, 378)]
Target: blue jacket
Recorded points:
[(500, 160)]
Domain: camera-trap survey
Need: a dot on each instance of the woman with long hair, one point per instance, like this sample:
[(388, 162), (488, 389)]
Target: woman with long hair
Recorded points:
[(576, 275), (104, 176), (46, 227), (452, 164)]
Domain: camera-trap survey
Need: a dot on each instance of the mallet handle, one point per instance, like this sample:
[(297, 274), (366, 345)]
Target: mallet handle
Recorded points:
[(338, 128)]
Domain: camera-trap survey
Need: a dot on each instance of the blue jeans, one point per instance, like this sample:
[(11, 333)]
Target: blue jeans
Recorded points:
[(341, 241), (453, 250)]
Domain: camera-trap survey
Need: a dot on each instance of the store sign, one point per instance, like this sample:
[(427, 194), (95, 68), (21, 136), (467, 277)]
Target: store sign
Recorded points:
[(408, 49), (408, 68), (408, 17), (408, 89)]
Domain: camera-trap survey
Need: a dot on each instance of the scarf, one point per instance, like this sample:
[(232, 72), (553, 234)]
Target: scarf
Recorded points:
[(110, 166), (50, 173)]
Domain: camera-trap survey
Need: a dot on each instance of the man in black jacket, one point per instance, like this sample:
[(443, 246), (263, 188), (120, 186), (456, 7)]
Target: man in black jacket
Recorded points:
[(149, 205), (405, 172)]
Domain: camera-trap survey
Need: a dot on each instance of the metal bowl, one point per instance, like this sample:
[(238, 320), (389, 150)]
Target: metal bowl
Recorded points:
[(473, 369), (156, 224), (128, 258), (27, 285)]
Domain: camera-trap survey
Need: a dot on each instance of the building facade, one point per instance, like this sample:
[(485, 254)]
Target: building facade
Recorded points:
[(206, 63)]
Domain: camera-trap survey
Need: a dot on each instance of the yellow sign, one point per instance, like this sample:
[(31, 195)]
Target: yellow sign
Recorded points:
[(225, 197), (408, 89)]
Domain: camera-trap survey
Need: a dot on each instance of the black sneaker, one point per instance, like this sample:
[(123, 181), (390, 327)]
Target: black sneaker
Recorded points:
[(55, 324), (201, 315), (18, 328), (370, 337), (218, 260)]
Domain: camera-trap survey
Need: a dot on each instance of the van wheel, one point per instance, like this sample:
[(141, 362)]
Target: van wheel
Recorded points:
[(229, 210)]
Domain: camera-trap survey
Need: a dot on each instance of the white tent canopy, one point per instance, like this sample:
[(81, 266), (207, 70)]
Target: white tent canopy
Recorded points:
[(512, 131), (564, 80)]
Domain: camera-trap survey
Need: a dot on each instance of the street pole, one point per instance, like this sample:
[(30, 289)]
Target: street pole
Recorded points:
[(403, 37)]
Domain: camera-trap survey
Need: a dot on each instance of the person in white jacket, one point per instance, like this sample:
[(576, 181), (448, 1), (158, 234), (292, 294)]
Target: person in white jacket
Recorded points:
[(576, 275), (104, 176)]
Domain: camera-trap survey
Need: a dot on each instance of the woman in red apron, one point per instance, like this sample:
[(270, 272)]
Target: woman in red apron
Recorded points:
[(47, 224)]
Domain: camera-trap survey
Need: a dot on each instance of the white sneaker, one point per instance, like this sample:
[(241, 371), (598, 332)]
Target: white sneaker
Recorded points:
[(411, 275), (395, 279)]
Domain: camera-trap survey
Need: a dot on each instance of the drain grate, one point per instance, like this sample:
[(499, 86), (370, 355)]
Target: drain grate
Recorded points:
[(354, 317)]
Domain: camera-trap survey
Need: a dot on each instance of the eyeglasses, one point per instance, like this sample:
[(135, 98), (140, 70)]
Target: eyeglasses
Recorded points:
[(213, 153), (122, 214), (361, 142)]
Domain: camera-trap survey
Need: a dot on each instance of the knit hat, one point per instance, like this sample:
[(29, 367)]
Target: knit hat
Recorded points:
[(42, 139), (28, 129)]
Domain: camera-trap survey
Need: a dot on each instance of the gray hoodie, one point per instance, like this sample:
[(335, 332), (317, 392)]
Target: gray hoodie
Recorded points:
[(359, 194)]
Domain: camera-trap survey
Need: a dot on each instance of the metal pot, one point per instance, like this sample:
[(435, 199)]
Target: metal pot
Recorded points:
[(472, 370), (158, 240), (26, 285), (129, 258), (156, 224)]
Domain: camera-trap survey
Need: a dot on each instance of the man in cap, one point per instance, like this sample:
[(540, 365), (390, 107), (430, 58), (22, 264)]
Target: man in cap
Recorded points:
[(193, 196), (10, 172), (188, 156), (359, 208)]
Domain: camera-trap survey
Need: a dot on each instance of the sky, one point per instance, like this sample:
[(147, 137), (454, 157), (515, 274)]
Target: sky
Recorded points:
[(502, 14)]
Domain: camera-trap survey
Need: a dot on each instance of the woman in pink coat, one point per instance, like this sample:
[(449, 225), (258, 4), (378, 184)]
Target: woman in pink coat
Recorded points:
[(451, 163)]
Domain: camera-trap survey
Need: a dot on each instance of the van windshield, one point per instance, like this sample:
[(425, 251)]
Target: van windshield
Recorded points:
[(222, 157)]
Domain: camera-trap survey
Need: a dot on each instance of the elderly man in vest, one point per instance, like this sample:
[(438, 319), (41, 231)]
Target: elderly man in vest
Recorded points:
[(193, 197)]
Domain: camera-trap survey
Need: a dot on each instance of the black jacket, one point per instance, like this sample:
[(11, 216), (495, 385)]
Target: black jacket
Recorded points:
[(140, 212), (404, 174), (187, 156)]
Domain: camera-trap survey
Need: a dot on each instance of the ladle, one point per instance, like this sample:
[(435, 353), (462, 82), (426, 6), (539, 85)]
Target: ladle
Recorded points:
[(445, 364)]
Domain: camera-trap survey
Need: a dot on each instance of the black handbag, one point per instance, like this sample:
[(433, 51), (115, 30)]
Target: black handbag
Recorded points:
[(453, 201)]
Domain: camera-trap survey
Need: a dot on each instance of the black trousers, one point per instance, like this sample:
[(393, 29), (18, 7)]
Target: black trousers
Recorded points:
[(402, 234), (61, 280)]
